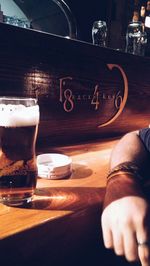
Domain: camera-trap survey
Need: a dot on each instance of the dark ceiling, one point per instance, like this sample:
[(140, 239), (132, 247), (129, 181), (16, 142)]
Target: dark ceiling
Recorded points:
[(47, 16)]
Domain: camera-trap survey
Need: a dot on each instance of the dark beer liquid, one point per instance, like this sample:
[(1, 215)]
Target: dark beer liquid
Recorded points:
[(18, 170)]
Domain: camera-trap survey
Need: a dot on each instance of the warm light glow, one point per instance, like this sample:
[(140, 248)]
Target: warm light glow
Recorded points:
[(53, 197)]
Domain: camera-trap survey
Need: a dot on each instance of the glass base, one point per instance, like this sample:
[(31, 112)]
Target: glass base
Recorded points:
[(15, 202)]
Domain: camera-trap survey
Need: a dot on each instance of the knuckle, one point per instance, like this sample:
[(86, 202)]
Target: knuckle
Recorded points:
[(125, 222), (139, 219)]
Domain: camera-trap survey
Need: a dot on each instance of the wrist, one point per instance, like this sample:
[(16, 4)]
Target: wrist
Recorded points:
[(122, 184), (128, 168)]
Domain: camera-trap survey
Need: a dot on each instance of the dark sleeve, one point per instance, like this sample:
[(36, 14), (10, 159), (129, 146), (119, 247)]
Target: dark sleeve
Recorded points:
[(144, 135)]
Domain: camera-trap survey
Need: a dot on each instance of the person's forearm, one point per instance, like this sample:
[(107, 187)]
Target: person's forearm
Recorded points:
[(125, 216), (129, 153)]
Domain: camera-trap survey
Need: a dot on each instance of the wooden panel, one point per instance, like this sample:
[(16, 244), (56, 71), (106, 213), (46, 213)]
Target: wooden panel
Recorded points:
[(84, 91)]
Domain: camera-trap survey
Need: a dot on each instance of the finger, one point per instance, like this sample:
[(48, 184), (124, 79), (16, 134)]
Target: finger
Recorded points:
[(144, 254), (130, 245), (143, 245), (118, 242), (107, 236), (106, 231)]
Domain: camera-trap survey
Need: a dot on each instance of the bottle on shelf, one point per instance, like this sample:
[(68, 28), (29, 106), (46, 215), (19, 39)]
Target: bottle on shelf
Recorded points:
[(147, 27), (99, 33), (136, 37), (142, 15), (135, 17), (148, 8)]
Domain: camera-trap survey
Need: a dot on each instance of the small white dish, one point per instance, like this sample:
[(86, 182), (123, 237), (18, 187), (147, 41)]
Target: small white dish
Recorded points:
[(54, 166)]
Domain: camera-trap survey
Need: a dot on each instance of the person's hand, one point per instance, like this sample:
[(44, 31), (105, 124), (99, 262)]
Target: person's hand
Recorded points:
[(124, 225)]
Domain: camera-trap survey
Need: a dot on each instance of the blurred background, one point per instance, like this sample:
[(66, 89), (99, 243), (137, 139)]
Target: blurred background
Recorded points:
[(49, 16)]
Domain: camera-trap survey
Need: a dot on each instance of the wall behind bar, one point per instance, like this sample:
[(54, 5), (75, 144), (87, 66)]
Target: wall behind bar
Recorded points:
[(84, 91)]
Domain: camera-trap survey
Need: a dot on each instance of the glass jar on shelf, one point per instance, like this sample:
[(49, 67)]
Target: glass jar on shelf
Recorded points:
[(99, 33), (136, 38)]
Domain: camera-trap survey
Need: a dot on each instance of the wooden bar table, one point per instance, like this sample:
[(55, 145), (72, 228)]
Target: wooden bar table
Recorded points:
[(85, 92), (63, 221)]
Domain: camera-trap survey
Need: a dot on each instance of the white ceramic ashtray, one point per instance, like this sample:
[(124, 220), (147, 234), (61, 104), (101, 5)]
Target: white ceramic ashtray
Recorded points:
[(54, 166)]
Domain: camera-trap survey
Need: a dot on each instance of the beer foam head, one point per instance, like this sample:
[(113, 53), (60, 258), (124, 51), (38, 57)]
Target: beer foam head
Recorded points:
[(18, 115)]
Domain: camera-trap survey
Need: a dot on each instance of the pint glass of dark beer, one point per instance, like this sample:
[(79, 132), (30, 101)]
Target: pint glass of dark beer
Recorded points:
[(19, 119)]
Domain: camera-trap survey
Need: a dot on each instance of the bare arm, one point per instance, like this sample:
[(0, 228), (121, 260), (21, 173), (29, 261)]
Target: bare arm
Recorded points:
[(125, 216), (129, 149)]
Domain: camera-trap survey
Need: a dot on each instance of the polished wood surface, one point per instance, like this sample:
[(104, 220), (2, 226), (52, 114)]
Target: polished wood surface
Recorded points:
[(62, 224), (62, 197), (64, 214)]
